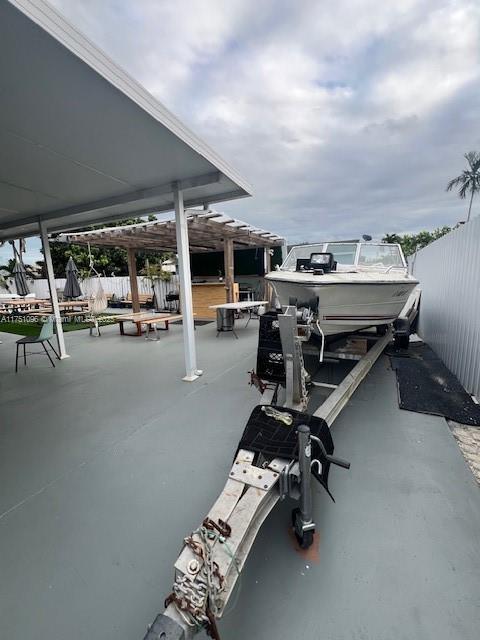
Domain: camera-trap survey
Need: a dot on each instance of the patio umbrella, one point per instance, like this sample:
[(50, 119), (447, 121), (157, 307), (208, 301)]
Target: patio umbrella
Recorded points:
[(20, 277), (72, 286)]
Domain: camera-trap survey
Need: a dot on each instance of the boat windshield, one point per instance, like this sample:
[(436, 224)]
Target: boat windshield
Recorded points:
[(343, 252), (350, 254), (380, 255), (302, 251)]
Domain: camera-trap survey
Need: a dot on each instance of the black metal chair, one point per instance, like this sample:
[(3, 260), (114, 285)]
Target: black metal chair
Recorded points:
[(44, 336), (172, 301)]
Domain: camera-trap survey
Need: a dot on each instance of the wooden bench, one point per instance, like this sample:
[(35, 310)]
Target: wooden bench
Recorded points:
[(44, 313), (143, 298), (63, 313), (74, 314), (148, 319)]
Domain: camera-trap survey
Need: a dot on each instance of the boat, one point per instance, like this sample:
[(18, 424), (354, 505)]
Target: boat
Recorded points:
[(349, 286)]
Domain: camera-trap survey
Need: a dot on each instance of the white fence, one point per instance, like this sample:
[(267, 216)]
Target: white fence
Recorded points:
[(449, 274), (118, 285)]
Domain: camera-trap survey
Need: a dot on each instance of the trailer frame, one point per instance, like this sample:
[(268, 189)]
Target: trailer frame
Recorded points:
[(214, 554)]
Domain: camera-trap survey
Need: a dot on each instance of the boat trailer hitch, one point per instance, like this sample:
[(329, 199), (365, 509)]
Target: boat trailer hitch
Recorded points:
[(164, 628), (276, 458)]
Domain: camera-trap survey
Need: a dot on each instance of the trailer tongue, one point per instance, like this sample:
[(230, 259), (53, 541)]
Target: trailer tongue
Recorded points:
[(280, 450)]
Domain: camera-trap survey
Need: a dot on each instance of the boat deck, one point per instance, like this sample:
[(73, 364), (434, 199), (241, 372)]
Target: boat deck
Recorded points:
[(109, 460)]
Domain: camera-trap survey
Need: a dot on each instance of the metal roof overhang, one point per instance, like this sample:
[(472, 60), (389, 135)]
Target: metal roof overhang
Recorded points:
[(81, 142)]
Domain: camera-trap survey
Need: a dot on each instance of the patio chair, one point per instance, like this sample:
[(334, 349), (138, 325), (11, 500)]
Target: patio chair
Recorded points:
[(44, 336), (246, 292)]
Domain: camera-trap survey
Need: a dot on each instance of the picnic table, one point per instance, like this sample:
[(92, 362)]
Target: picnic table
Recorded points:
[(15, 304), (149, 320), (67, 309), (74, 304)]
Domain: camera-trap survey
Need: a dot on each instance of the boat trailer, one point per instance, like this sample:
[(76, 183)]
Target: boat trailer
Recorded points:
[(281, 450)]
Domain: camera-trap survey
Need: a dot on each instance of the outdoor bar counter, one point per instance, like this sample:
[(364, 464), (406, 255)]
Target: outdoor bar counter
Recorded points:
[(205, 294)]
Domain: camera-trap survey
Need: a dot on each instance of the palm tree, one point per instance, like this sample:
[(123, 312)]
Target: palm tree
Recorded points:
[(469, 180)]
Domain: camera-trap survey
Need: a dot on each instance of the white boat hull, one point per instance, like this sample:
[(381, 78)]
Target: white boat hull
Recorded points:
[(345, 306)]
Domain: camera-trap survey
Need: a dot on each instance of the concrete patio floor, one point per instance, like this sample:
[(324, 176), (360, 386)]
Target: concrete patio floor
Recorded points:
[(109, 460)]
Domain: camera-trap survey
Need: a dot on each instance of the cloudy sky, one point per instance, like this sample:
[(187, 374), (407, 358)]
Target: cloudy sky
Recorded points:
[(346, 116)]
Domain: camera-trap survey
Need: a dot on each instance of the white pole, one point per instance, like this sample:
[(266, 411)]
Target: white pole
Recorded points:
[(284, 251), (53, 291), (183, 252)]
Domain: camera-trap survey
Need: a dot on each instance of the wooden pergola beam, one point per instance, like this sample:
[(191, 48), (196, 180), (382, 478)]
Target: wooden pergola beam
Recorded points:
[(132, 272), (205, 233), (247, 237), (159, 242)]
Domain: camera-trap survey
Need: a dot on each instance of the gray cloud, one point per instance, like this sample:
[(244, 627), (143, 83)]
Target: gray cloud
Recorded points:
[(346, 117)]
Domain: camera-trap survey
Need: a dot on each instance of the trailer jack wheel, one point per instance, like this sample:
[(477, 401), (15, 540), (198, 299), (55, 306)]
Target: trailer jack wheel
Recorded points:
[(304, 538)]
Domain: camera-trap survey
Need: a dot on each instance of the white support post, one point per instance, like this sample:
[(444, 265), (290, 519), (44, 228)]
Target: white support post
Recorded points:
[(284, 251), (267, 264), (132, 273), (53, 291), (229, 268), (181, 228)]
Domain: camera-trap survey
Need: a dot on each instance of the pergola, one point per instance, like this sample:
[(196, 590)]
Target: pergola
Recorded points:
[(81, 142), (207, 231)]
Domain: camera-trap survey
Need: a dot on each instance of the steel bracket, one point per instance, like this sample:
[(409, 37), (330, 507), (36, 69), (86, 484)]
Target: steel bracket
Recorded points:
[(253, 476)]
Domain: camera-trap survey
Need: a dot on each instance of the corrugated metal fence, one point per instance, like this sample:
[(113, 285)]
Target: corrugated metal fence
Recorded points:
[(449, 274)]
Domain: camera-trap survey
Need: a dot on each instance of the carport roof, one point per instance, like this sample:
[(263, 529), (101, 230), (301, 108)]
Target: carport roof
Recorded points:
[(206, 232), (81, 141)]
